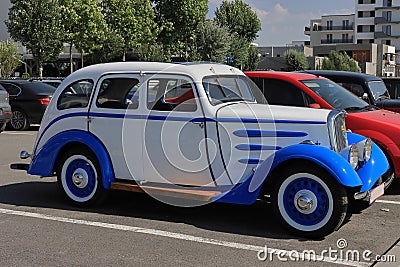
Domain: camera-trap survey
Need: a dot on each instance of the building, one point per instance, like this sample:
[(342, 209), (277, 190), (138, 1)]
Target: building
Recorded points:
[(371, 35), (374, 21)]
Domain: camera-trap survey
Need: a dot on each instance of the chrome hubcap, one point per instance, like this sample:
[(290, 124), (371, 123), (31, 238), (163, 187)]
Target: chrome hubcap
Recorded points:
[(80, 178), (305, 201)]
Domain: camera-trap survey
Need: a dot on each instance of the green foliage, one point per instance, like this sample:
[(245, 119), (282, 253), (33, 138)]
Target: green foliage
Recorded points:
[(132, 20), (296, 60), (9, 58), (83, 24), (36, 24), (239, 51), (178, 21), (212, 42), (111, 49), (151, 53), (340, 61), (239, 18), (252, 59)]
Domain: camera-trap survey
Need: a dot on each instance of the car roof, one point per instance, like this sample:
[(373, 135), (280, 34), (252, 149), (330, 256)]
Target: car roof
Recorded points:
[(348, 74), (195, 69), (298, 76)]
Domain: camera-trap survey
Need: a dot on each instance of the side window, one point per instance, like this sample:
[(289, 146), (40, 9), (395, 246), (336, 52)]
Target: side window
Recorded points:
[(76, 95), (354, 88), (119, 93), (12, 89), (168, 94), (279, 92)]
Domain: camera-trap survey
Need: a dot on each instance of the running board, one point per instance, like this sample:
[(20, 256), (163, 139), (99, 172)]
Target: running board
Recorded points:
[(187, 193)]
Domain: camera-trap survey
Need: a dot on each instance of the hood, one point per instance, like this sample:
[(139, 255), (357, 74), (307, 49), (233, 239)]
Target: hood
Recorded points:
[(373, 119), (389, 104)]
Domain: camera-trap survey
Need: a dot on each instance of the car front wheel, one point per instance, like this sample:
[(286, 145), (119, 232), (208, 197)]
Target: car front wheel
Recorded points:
[(79, 176), (309, 202)]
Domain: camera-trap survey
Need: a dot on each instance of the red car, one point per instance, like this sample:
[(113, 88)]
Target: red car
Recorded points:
[(307, 90)]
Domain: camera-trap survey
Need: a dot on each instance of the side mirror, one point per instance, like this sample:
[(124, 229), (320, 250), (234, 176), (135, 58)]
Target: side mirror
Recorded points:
[(315, 105), (365, 97)]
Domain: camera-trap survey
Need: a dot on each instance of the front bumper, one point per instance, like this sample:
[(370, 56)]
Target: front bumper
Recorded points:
[(377, 191)]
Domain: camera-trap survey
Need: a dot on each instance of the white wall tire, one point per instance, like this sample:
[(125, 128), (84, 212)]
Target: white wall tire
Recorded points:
[(79, 176), (309, 202)]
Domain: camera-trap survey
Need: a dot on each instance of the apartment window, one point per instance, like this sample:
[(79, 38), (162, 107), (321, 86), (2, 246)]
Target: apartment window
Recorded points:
[(388, 42), (359, 28), (345, 38), (372, 14), (371, 41), (329, 25), (387, 3), (387, 15), (387, 29), (359, 41), (360, 14), (346, 24), (372, 28), (329, 38)]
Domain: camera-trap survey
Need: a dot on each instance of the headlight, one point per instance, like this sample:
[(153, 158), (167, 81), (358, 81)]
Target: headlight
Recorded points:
[(365, 147), (353, 156)]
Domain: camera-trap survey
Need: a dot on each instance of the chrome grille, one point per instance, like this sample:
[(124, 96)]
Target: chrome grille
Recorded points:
[(337, 130)]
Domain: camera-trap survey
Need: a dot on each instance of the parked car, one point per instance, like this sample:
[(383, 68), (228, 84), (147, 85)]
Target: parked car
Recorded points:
[(393, 86), (28, 102), (55, 82), (368, 87), (190, 134), (5, 108), (308, 90)]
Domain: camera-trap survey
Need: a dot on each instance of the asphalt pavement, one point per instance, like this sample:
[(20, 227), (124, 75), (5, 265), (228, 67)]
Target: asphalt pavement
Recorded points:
[(39, 228)]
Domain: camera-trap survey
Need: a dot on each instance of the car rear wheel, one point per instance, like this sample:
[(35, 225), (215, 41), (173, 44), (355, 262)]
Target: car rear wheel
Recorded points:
[(19, 120), (79, 176), (309, 202)]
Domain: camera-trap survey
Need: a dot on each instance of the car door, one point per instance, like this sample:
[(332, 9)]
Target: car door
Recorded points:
[(115, 119), (174, 148)]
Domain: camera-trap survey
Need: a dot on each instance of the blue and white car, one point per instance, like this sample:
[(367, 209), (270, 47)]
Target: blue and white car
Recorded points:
[(190, 134)]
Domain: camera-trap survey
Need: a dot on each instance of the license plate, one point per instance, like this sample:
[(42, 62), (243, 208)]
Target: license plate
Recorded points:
[(376, 193)]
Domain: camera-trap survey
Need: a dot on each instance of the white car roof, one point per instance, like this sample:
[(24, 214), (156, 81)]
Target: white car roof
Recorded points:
[(196, 70)]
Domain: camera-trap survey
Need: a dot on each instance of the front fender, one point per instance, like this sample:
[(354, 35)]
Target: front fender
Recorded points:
[(43, 161)]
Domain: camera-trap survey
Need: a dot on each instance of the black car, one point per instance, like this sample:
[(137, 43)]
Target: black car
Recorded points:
[(5, 109), (368, 87), (28, 102), (393, 86)]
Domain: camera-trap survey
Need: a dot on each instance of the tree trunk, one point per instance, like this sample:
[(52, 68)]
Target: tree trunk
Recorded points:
[(71, 63), (124, 55), (82, 58)]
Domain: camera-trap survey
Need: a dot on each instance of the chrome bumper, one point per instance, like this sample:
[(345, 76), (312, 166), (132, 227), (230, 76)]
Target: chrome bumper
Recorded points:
[(376, 192)]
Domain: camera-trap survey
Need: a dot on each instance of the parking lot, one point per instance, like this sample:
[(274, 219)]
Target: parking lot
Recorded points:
[(39, 228)]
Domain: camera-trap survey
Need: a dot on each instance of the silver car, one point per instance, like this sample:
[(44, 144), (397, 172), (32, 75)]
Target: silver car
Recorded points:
[(5, 109)]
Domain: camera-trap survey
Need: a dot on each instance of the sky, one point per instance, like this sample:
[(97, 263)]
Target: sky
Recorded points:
[(283, 21)]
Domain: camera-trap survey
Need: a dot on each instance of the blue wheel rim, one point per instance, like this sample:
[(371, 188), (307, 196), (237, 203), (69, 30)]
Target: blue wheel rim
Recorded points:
[(322, 201), (91, 184)]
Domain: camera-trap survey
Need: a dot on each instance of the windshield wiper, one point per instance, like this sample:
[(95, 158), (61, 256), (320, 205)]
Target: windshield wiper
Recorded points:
[(353, 108), (370, 107), (382, 97)]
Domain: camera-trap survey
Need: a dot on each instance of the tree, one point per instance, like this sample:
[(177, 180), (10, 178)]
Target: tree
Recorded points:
[(340, 61), (212, 42), (296, 60), (83, 24), (239, 52), (239, 18), (252, 59), (36, 24), (178, 21), (132, 20), (9, 58)]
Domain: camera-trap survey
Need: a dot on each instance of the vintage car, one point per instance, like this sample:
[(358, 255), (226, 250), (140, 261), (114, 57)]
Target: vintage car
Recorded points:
[(309, 90), (368, 87), (191, 134)]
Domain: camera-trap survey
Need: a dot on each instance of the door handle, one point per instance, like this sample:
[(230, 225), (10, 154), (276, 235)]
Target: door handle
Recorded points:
[(200, 124)]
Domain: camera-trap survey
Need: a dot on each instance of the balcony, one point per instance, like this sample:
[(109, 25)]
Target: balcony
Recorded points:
[(337, 28), (382, 20), (387, 8), (337, 41), (384, 35)]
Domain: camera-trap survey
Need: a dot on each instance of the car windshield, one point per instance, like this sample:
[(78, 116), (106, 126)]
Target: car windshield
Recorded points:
[(221, 89), (378, 90), (337, 96)]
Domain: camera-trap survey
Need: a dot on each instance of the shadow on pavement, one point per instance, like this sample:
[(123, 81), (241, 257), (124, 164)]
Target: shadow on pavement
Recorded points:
[(255, 220)]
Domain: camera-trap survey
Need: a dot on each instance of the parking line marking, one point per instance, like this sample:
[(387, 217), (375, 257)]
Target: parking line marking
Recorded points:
[(388, 202), (178, 236)]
